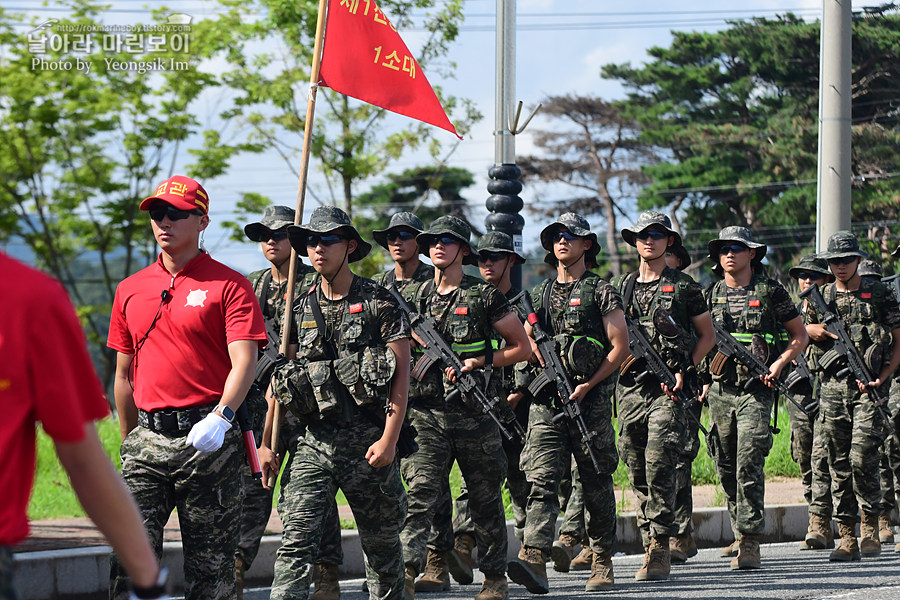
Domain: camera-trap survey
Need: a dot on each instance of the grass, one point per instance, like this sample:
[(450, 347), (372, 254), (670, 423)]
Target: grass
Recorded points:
[(53, 497)]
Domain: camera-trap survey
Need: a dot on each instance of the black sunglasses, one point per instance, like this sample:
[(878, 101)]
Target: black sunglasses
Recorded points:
[(324, 240), (651, 234), (809, 275), (491, 256), (158, 213), (403, 236), (842, 260), (275, 236), (564, 235), (735, 248), (444, 241)]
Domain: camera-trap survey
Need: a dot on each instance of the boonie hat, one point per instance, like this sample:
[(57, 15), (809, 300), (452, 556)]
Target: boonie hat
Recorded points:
[(813, 263), (401, 220), (576, 225), (841, 244), (497, 241), (870, 268), (650, 218), (326, 219), (181, 192), (274, 218), (451, 226), (681, 252), (738, 234)]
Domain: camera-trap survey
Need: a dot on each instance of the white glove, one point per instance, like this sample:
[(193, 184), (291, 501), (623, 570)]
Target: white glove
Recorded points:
[(208, 434)]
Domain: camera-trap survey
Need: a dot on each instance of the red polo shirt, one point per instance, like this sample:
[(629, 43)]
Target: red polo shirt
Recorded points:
[(46, 375), (183, 360)]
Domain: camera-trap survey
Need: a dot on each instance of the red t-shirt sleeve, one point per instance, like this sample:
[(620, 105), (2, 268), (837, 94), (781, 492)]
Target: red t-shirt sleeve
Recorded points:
[(66, 391), (119, 338), (243, 316)]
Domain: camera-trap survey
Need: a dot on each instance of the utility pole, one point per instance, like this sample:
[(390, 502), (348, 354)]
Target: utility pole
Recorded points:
[(833, 193)]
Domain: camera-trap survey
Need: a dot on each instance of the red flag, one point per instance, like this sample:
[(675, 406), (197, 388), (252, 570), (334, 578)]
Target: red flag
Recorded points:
[(365, 58)]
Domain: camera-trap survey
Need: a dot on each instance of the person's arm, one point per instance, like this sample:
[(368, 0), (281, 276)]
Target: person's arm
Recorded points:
[(124, 394), (108, 503), (706, 337), (888, 369), (798, 340), (617, 334), (381, 453)]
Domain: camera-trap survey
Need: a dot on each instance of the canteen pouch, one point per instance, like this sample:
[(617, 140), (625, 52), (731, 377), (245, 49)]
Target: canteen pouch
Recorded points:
[(325, 388), (291, 388), (874, 358), (367, 374), (581, 355)]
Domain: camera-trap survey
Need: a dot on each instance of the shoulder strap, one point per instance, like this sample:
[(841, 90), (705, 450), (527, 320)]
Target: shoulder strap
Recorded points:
[(630, 281), (313, 297), (545, 304)]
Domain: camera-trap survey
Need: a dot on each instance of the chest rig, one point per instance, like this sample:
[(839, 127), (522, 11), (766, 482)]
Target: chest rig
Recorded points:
[(863, 315)]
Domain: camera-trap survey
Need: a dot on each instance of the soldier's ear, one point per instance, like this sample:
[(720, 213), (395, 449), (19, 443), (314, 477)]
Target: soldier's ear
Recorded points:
[(752, 254), (351, 246)]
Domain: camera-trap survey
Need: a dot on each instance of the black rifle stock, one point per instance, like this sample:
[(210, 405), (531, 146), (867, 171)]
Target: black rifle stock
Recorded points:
[(843, 345), (640, 347), (437, 350), (553, 373), (269, 358), (730, 347), (246, 425)]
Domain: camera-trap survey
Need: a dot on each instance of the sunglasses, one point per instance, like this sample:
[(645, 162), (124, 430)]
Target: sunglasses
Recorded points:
[(443, 241), (810, 275), (324, 240), (651, 234), (491, 256), (403, 236), (733, 248), (158, 213), (843, 260), (564, 235), (275, 236)]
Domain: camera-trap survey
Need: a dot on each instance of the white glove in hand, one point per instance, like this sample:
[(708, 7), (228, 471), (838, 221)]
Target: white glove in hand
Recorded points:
[(208, 434)]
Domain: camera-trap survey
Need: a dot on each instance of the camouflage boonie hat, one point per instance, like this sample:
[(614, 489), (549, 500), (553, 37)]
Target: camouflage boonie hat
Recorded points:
[(681, 252), (497, 241), (451, 226), (401, 220), (813, 263), (576, 225), (274, 218), (870, 268), (741, 235), (649, 218), (326, 219), (843, 243)]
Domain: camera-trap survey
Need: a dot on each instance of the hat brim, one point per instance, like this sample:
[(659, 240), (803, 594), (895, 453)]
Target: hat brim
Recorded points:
[(795, 271), (829, 255), (547, 232), (176, 201), (519, 258), (297, 234), (425, 238), (258, 232), (629, 234), (380, 235), (713, 248)]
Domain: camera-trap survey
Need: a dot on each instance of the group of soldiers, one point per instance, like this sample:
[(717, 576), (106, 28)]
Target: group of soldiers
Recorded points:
[(393, 380)]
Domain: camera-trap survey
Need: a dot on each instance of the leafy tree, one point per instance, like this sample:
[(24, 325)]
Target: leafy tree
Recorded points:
[(597, 154), (79, 149)]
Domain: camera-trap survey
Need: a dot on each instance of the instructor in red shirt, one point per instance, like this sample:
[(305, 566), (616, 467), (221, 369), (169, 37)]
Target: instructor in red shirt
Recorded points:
[(186, 330)]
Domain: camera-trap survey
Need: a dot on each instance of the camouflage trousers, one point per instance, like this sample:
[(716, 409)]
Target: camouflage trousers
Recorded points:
[(473, 440), (684, 493), (651, 433), (571, 500), (890, 460), (164, 473), (743, 440), (850, 433), (545, 462), (330, 456), (7, 591), (257, 507)]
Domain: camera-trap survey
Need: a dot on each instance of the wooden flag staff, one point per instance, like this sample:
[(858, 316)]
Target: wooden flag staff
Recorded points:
[(298, 215)]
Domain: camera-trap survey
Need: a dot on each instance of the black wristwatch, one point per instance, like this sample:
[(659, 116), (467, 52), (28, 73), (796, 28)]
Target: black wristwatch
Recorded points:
[(159, 588)]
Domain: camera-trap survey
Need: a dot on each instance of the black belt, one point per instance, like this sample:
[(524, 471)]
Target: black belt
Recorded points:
[(174, 421)]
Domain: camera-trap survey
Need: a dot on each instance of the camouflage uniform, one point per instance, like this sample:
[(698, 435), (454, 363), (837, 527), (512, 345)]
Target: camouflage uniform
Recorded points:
[(574, 309), (741, 417), (652, 425), (340, 401), (571, 500)]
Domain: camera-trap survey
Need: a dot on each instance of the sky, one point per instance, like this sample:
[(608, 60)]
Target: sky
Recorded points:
[(561, 45)]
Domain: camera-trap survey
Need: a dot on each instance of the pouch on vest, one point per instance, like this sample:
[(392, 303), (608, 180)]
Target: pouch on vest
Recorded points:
[(367, 374), (325, 388), (874, 359), (430, 388), (291, 388)]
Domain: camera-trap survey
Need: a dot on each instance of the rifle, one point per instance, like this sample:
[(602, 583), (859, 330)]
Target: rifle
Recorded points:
[(640, 347), (437, 350), (728, 347), (246, 425), (554, 373), (843, 345), (269, 357), (894, 280)]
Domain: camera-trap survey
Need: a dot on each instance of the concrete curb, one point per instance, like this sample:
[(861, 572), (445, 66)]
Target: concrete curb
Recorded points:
[(83, 573)]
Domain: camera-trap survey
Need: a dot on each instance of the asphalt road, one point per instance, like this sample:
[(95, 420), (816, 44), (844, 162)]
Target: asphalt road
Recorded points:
[(786, 573)]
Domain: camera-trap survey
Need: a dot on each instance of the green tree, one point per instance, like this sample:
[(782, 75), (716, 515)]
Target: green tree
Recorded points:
[(79, 149)]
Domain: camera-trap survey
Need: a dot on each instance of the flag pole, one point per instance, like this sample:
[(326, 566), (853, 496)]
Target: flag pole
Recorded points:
[(298, 214)]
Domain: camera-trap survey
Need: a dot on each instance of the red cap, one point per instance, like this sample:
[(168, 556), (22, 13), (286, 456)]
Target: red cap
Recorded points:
[(181, 192)]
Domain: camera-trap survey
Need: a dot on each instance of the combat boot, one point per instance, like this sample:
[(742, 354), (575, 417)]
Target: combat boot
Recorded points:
[(460, 561), (656, 560), (325, 580), (868, 535), (682, 547), (530, 569), (494, 587), (885, 529), (731, 550), (563, 550), (583, 561), (601, 573), (748, 553), (409, 586), (818, 533), (848, 548), (436, 577), (239, 568)]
